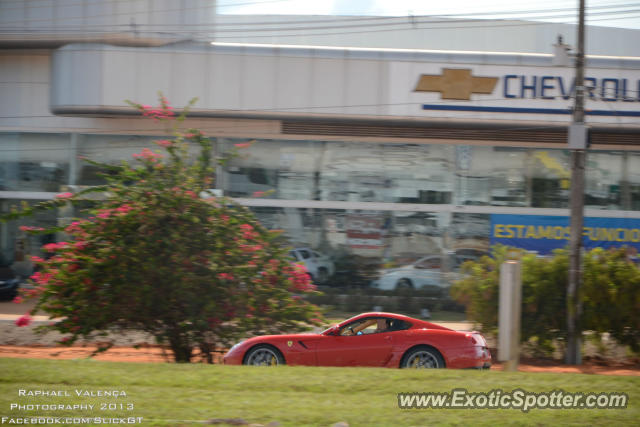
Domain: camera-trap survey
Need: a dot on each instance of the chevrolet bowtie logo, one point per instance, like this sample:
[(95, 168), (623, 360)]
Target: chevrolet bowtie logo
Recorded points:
[(456, 84)]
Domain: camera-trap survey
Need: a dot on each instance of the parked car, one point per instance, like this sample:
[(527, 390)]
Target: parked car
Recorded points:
[(369, 339), (9, 283), (319, 266), (427, 272)]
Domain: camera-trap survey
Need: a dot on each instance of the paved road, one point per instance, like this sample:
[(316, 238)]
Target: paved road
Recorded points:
[(11, 311)]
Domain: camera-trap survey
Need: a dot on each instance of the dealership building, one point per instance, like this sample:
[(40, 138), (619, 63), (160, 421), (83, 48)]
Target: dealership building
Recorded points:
[(375, 156)]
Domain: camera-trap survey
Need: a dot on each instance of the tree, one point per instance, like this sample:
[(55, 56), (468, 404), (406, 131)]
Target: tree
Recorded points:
[(610, 295), (159, 254)]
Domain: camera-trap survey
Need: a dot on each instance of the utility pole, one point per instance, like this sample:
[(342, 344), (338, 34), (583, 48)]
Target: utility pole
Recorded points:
[(578, 146)]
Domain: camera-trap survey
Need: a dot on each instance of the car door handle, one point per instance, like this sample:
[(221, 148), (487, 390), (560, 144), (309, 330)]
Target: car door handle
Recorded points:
[(387, 338)]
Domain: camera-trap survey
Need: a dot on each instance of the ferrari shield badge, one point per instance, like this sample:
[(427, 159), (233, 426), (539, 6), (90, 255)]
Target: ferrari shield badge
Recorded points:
[(289, 343)]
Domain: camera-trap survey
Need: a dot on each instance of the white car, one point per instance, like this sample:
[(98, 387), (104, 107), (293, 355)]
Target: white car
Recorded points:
[(426, 272), (319, 266)]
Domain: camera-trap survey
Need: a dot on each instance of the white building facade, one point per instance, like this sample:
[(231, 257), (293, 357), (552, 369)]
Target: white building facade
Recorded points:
[(374, 156)]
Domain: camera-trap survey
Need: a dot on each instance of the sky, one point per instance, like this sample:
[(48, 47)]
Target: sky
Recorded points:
[(612, 13)]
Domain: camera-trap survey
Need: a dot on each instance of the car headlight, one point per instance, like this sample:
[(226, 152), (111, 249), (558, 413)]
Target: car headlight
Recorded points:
[(235, 346)]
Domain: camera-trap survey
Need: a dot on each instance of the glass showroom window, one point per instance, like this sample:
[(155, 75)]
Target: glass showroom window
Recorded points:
[(342, 171), (497, 176), (630, 186), (550, 178), (282, 169), (603, 175), (16, 246), (472, 175), (360, 247), (469, 235), (33, 161), (510, 183), (392, 173), (111, 149)]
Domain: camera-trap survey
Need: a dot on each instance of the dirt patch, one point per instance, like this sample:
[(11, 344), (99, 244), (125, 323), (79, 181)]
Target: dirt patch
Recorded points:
[(144, 353)]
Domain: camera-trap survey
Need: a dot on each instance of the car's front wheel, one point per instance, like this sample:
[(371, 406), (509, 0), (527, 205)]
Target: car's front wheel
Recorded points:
[(264, 355), (423, 357)]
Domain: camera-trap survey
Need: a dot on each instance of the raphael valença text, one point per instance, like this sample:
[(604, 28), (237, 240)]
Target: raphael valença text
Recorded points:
[(72, 393)]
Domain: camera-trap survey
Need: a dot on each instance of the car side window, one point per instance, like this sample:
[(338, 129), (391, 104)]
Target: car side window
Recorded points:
[(305, 254), (373, 325), (429, 263), (398, 325)]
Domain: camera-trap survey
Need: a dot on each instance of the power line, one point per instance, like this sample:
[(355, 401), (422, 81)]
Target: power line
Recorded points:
[(568, 12)]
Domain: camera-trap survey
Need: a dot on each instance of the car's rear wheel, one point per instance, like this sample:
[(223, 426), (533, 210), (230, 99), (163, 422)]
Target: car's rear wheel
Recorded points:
[(423, 358), (404, 284), (264, 355)]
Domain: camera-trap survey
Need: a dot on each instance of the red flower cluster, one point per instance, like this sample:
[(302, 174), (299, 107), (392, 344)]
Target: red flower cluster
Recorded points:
[(243, 144), (163, 112), (29, 228), (248, 232), (52, 247), (41, 278), (148, 155), (225, 276), (24, 320), (300, 279), (164, 143)]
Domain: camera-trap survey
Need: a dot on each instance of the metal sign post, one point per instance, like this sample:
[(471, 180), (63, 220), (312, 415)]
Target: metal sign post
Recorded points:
[(510, 303)]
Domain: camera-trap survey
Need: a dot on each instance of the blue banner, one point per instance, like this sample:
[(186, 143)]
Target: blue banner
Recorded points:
[(543, 234)]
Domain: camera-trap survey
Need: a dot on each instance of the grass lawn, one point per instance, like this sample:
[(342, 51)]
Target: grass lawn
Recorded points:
[(170, 394)]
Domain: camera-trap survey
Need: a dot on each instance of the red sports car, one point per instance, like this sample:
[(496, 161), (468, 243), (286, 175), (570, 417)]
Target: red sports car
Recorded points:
[(369, 339)]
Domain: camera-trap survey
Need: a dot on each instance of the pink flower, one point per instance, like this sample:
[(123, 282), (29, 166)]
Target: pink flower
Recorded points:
[(243, 145), (41, 278), (29, 228), (259, 193), (250, 248), (124, 208), (105, 214), (147, 154), (73, 227), (18, 300), (80, 245), (23, 320), (64, 195), (225, 276), (51, 247), (164, 143)]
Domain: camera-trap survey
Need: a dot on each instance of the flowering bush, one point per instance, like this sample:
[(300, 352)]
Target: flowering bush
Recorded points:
[(155, 256), (610, 295)]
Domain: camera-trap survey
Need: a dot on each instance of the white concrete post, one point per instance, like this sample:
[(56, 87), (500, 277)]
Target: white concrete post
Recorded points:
[(510, 303)]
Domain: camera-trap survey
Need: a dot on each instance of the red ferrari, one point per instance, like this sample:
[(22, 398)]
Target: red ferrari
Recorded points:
[(369, 339)]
